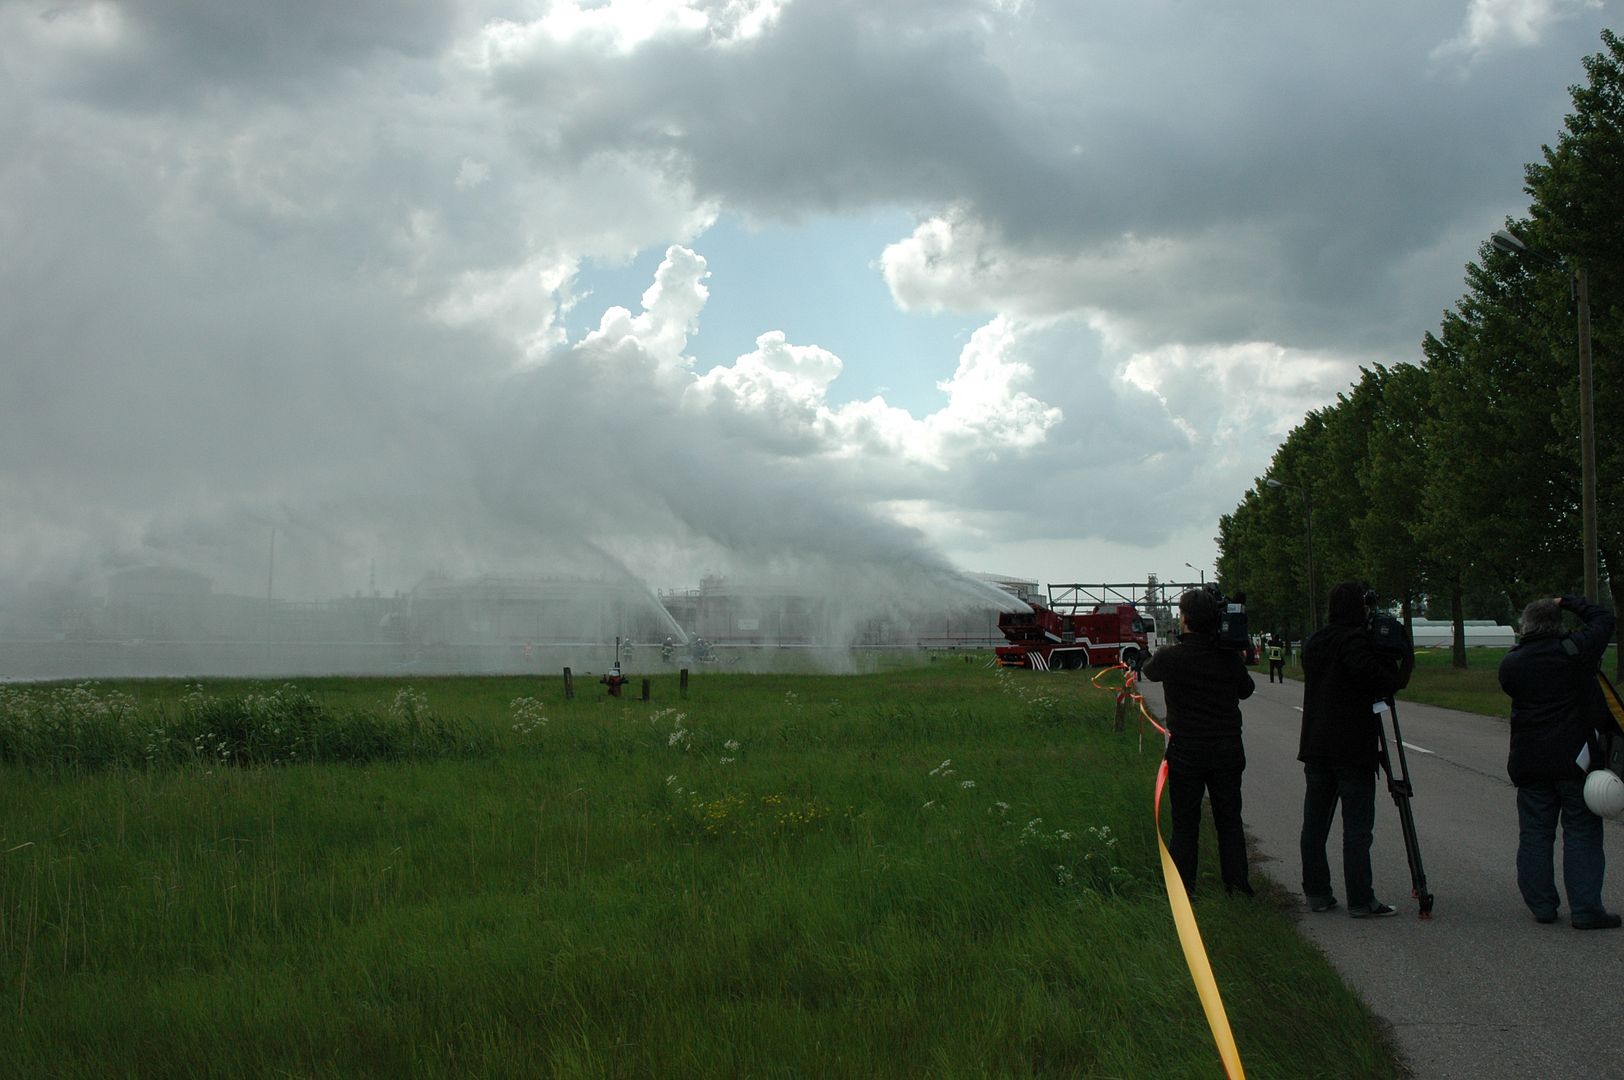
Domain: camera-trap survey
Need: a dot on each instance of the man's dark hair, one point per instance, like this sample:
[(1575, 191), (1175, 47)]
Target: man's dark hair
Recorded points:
[(1542, 618), (1200, 611), (1347, 607)]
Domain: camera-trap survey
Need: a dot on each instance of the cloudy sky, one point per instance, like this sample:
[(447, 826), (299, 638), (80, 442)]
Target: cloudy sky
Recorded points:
[(862, 289)]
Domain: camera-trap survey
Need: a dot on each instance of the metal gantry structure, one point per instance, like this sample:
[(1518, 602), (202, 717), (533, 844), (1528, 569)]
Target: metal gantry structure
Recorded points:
[(1154, 597)]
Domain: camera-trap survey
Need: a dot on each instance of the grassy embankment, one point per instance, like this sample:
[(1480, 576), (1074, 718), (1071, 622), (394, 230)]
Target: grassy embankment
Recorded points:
[(1476, 688), (935, 871)]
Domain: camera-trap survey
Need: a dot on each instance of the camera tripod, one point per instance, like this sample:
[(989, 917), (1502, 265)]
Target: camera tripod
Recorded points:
[(1399, 786)]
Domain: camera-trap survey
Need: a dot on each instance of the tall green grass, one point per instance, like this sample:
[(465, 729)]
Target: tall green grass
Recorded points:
[(82, 727), (1474, 688), (936, 871)]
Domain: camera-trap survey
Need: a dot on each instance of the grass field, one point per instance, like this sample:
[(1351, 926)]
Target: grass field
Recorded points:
[(939, 870), (1475, 689)]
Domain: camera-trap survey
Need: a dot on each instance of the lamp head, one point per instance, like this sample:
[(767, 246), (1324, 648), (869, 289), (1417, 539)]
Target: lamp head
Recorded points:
[(1504, 241)]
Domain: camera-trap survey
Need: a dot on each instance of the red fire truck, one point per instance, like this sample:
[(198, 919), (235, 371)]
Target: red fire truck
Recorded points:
[(1045, 639)]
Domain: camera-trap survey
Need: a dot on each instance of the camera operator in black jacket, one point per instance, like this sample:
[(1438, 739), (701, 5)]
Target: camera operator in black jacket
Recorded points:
[(1205, 683), (1345, 673), (1556, 705)]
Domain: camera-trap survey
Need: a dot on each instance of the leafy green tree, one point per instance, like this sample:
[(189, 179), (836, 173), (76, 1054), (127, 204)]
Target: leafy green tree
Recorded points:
[(1467, 468), (1392, 476), (1578, 212), (1493, 468), (1296, 516), (1343, 502), (1259, 553)]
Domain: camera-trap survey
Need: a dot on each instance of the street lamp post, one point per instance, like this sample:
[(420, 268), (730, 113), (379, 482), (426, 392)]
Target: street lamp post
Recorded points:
[(1308, 520), (1200, 571), (1504, 241)]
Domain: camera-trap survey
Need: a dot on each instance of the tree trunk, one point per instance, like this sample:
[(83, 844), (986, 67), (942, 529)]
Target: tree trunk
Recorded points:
[(1457, 617)]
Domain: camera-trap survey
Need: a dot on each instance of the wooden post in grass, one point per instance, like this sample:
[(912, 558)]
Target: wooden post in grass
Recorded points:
[(684, 682), (569, 685), (645, 689)]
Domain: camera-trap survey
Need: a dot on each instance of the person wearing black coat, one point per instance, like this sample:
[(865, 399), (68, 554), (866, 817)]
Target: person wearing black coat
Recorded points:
[(1556, 705), (1344, 677), (1205, 683)]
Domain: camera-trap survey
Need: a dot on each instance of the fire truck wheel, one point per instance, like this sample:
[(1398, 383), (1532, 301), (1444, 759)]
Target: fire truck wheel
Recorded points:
[(1130, 657)]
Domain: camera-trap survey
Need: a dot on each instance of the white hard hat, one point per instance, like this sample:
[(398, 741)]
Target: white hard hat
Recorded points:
[(1604, 793)]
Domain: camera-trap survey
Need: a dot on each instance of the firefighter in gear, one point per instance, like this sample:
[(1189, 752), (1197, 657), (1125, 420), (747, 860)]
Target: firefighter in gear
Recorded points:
[(1276, 652)]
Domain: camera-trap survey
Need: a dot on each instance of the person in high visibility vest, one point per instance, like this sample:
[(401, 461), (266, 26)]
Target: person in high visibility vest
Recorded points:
[(1276, 652)]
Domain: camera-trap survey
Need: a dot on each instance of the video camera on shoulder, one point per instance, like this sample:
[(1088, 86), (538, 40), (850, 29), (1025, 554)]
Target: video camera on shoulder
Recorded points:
[(1233, 629), (1386, 632)]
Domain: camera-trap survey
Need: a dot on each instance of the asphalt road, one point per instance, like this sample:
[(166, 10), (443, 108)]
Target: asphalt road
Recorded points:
[(1480, 989)]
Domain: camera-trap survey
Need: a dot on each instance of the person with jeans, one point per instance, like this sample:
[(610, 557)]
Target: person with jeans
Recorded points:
[(1205, 682), (1556, 704), (1344, 676)]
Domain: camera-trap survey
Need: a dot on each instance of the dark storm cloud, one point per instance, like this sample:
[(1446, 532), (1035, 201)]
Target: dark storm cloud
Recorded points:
[(842, 106), (181, 53), (1329, 145)]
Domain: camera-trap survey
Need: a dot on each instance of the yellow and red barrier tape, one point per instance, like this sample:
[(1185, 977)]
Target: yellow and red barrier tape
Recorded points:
[(1195, 951)]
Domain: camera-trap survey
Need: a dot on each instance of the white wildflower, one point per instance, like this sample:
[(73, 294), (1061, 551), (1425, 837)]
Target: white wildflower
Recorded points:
[(528, 715)]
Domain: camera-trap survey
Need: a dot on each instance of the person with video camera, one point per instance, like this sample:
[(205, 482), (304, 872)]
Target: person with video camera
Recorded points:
[(1205, 681), (1346, 671), (1556, 706)]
